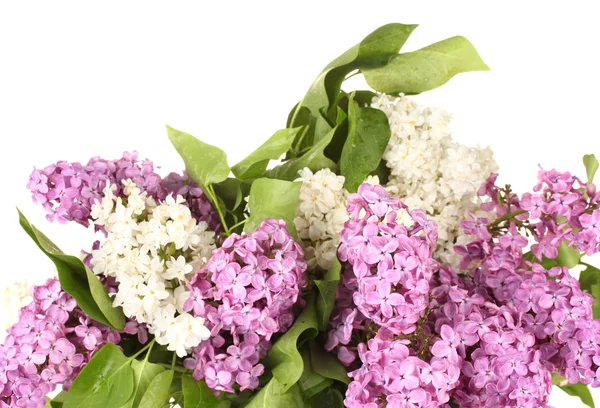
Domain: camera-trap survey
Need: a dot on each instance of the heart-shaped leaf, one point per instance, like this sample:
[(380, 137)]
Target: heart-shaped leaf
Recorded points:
[(591, 166), (275, 394), (373, 51), (314, 159), (157, 392), (106, 381), (414, 72), (284, 359), (255, 164), (77, 280), (368, 136), (327, 289), (197, 395), (204, 163), (143, 374), (271, 198), (327, 364)]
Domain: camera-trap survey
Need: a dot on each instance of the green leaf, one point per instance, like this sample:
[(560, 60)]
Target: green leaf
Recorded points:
[(77, 280), (143, 374), (52, 404), (284, 359), (327, 291), (576, 390), (589, 281), (106, 381), (275, 395), (382, 172), (340, 116), (591, 166), (328, 398), (567, 256), (230, 194), (310, 382), (270, 198), (205, 164), (373, 51), (588, 277), (314, 159), (57, 401), (197, 395), (595, 292), (414, 72), (368, 136), (158, 391), (114, 315), (256, 163), (327, 364), (231, 191)]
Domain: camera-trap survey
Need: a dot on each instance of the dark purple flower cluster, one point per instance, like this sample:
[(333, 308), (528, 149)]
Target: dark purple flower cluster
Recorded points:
[(67, 191), (245, 293), (49, 345)]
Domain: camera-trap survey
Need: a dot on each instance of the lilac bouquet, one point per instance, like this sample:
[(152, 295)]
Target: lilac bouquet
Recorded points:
[(360, 257)]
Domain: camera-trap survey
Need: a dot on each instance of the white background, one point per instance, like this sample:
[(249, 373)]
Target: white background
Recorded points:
[(79, 79)]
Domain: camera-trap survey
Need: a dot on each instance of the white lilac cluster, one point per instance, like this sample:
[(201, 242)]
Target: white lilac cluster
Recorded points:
[(15, 295), (431, 171), (152, 250), (320, 215)]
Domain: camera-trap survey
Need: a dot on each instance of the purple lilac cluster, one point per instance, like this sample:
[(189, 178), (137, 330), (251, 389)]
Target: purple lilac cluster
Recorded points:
[(489, 338), (522, 320), (245, 293), (501, 365), (67, 191), (383, 306), (49, 345), (560, 208)]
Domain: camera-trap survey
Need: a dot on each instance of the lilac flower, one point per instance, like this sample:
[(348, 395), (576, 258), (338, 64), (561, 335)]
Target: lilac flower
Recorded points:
[(229, 279), (133, 327), (402, 376), (238, 358), (91, 335), (591, 222), (47, 347), (447, 345), (217, 378), (38, 184), (343, 331), (247, 289), (385, 300), (67, 191), (249, 380)]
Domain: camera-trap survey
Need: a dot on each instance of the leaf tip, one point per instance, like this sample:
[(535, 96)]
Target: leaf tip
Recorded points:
[(172, 133)]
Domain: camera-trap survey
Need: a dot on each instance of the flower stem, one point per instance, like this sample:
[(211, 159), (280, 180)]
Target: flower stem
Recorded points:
[(173, 361), (238, 224), (508, 217), (176, 368), (296, 152), (586, 264), (146, 347), (352, 74), (213, 197)]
